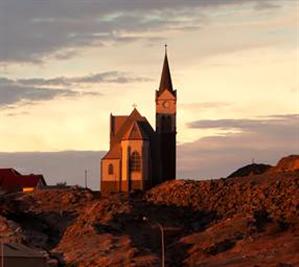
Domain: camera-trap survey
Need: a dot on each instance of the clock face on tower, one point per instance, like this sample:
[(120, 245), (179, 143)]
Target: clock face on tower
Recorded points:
[(165, 104)]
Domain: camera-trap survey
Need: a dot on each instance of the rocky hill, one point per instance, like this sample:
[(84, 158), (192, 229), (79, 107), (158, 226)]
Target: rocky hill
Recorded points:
[(250, 169), (245, 221), (287, 164)]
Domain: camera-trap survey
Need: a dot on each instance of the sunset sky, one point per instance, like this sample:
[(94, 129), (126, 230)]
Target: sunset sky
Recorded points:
[(66, 65)]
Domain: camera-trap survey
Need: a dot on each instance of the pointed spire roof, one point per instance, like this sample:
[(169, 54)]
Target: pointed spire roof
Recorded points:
[(165, 82)]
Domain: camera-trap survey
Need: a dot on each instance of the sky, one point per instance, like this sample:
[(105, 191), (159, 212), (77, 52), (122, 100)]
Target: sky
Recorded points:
[(66, 65)]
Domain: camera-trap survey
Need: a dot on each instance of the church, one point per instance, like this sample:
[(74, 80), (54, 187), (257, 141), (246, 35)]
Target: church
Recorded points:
[(139, 156)]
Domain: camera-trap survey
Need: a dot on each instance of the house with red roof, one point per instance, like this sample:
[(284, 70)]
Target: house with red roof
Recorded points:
[(12, 181)]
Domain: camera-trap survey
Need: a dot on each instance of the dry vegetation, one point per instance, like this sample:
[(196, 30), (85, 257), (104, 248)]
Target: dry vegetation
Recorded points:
[(245, 221)]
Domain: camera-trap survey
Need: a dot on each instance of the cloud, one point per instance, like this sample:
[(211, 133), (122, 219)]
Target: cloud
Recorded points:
[(104, 77), (41, 89), (273, 124), (265, 139), (31, 31), (11, 94), (265, 5), (13, 114), (108, 77), (209, 157)]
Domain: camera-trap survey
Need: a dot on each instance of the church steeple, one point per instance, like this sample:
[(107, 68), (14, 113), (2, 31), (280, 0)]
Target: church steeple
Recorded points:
[(165, 82), (166, 99)]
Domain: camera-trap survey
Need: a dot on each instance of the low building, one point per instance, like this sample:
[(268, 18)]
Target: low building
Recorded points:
[(17, 255), (12, 181)]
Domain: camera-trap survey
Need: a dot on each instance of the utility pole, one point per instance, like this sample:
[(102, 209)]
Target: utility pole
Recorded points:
[(85, 175)]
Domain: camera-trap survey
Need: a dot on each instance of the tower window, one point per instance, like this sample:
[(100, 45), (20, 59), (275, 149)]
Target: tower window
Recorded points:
[(166, 124), (135, 162), (110, 169)]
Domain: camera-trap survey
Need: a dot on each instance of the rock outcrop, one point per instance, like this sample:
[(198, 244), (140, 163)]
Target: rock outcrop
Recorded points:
[(250, 169), (287, 164)]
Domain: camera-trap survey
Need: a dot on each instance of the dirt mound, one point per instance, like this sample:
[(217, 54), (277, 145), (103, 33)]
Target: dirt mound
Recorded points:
[(242, 241), (250, 169), (251, 218), (277, 194), (287, 164), (245, 221)]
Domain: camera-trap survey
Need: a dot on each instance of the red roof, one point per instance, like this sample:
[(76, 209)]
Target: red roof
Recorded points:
[(11, 180), (114, 152), (130, 127), (118, 121), (135, 132)]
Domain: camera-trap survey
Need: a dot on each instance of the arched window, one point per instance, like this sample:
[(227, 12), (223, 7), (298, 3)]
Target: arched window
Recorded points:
[(135, 162), (110, 168)]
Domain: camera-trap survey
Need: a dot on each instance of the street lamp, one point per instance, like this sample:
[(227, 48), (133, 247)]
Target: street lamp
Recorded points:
[(144, 218)]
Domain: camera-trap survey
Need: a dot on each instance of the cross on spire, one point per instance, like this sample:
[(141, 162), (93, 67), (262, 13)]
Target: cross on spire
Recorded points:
[(134, 105), (165, 48)]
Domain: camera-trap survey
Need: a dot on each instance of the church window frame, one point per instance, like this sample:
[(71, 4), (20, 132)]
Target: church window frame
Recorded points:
[(110, 169), (135, 162)]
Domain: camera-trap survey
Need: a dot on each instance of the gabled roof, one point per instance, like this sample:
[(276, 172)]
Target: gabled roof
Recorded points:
[(134, 116), (134, 127), (7, 172), (11, 180), (166, 94), (135, 132), (8, 180), (31, 180), (117, 122)]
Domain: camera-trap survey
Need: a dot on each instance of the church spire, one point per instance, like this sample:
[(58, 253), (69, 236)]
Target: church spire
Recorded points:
[(165, 82)]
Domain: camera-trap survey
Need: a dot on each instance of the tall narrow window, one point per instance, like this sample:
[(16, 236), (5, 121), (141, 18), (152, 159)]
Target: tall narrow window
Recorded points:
[(163, 123), (135, 162), (110, 169), (168, 123)]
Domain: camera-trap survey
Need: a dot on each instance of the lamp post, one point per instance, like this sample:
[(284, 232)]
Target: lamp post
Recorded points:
[(144, 218)]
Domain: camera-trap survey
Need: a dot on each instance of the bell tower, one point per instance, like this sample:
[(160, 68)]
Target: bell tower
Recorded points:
[(166, 99)]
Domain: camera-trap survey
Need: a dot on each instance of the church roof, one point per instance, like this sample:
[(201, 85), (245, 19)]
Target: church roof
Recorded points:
[(130, 127), (118, 122), (114, 152), (136, 132), (165, 82), (134, 116)]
